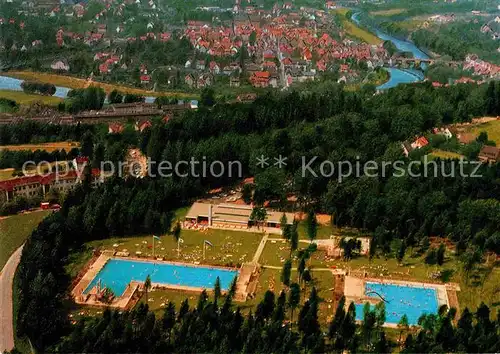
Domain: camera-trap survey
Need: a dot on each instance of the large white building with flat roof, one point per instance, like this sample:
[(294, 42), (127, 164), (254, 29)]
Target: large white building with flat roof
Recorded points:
[(234, 216)]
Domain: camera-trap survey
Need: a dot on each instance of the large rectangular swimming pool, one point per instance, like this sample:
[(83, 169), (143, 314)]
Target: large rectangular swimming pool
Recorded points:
[(118, 273), (411, 300)]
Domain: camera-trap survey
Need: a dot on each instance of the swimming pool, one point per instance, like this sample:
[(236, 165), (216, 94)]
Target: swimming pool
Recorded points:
[(118, 273), (402, 299)]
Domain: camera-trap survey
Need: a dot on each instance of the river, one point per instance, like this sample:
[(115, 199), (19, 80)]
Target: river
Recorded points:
[(9, 83), (398, 76)]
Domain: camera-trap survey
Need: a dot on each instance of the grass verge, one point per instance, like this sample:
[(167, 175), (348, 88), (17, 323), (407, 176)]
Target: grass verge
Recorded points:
[(355, 31), (76, 83), (27, 99), (14, 230)]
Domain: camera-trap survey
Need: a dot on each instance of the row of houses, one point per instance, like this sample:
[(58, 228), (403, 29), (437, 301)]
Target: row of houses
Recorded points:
[(40, 185), (487, 154), (481, 67)]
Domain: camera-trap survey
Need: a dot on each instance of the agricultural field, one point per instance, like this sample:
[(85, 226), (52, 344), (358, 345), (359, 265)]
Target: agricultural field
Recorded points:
[(76, 83), (14, 230), (353, 30), (49, 147), (27, 99), (442, 154)]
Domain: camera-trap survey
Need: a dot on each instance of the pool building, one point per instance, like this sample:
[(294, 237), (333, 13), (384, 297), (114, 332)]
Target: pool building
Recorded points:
[(234, 217)]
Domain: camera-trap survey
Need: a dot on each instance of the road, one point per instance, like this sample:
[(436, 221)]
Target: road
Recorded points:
[(6, 318)]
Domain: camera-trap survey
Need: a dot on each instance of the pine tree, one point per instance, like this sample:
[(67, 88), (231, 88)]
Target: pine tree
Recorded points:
[(293, 298), (286, 272), (217, 290), (312, 225)]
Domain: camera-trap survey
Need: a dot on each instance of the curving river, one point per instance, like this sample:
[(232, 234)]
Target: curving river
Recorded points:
[(10, 83), (398, 76)]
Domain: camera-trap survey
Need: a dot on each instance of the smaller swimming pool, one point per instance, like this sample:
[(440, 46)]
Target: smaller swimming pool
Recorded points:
[(118, 273), (411, 300)]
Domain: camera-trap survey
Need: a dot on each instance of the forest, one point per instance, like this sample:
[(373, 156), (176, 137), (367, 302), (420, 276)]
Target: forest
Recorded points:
[(449, 40), (322, 120)]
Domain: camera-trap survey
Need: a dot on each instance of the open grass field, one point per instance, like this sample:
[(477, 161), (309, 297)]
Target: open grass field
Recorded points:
[(355, 31), (390, 12), (230, 248), (27, 99), (76, 83), (492, 128), (442, 154), (49, 147), (14, 230)]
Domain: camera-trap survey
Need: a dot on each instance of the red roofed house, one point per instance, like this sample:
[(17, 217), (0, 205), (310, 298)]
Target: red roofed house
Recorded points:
[(417, 144), (104, 69), (214, 68), (306, 54), (420, 143), (145, 79), (330, 5), (260, 79), (489, 154), (143, 125), (115, 128)]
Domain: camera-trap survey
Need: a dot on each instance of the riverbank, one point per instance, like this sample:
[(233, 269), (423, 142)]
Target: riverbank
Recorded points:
[(27, 99), (354, 30), (77, 83)]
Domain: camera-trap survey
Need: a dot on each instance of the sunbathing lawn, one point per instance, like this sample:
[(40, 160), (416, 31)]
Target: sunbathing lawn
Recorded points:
[(49, 147), (14, 230), (75, 83), (231, 248), (27, 99), (269, 280)]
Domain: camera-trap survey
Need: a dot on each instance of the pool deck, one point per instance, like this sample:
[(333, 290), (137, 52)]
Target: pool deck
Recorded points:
[(354, 291), (125, 300)]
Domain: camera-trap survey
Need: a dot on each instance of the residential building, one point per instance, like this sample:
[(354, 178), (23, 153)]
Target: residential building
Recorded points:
[(40, 185), (489, 154)]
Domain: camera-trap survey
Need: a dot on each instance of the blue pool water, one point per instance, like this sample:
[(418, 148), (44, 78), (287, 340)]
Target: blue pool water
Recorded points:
[(118, 273), (410, 300)]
